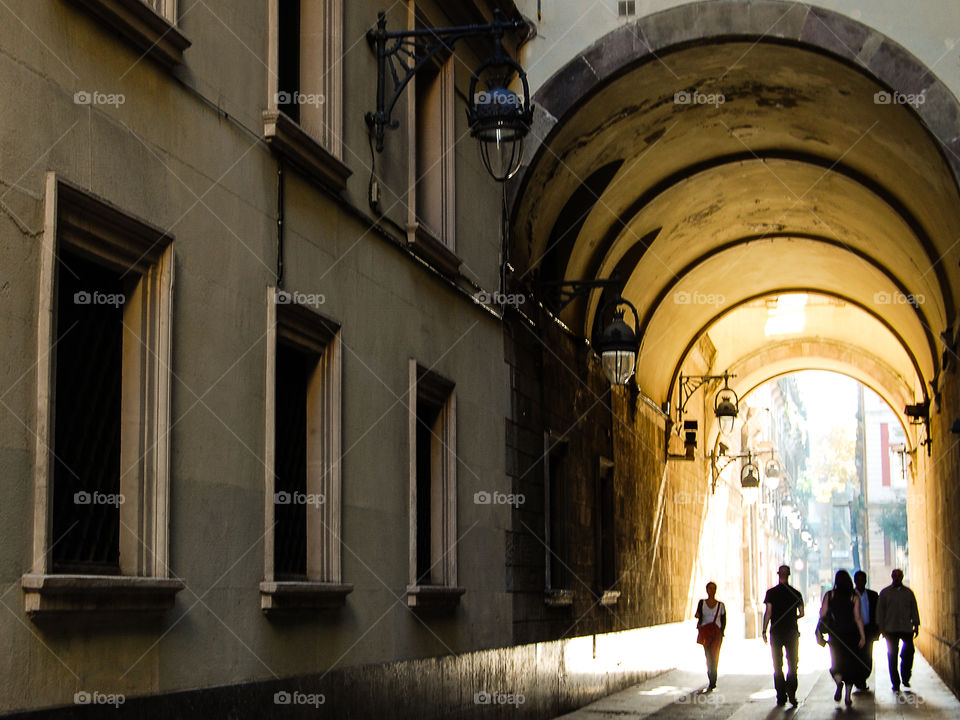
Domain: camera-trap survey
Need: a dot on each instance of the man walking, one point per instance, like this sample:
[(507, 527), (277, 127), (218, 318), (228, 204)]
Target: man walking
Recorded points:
[(899, 621), (784, 606), (871, 631)]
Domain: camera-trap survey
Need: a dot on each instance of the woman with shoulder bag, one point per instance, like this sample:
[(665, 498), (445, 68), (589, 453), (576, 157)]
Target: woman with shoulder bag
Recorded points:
[(711, 620), (840, 618)]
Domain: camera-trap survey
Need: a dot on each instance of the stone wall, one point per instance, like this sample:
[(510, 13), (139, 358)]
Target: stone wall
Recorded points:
[(660, 506), (934, 531)]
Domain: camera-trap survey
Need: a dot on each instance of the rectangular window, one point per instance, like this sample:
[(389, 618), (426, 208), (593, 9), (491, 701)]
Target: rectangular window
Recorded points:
[(87, 417), (626, 8), (435, 142), (103, 414), (605, 530), (307, 72), (433, 487), (302, 458), (556, 515)]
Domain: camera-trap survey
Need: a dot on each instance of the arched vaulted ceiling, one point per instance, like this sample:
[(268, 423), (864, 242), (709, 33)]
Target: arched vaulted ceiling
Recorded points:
[(784, 172)]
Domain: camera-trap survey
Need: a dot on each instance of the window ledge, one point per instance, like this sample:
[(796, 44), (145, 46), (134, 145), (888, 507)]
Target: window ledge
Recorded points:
[(558, 598), (610, 598), (47, 594), (310, 157), (149, 32), (434, 596), (302, 595), (427, 246)]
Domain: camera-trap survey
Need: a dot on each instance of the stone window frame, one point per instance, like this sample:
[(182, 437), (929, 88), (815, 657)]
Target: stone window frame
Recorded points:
[(310, 331), (76, 219), (154, 33), (317, 154), (441, 392), (436, 244)]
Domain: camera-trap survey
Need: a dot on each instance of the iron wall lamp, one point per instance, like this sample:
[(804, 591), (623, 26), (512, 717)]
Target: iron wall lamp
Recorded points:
[(619, 344), (499, 118), (726, 404)]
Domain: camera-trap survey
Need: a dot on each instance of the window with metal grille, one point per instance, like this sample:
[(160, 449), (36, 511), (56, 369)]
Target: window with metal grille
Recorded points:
[(302, 458), (86, 472), (103, 394), (433, 482), (294, 367), (626, 8)]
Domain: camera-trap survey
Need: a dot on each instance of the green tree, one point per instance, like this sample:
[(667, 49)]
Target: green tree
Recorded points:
[(893, 521)]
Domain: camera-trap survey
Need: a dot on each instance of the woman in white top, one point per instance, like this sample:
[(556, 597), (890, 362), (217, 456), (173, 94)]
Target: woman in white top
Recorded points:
[(711, 621)]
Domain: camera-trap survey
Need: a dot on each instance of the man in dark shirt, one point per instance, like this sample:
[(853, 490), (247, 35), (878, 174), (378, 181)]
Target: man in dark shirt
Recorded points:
[(868, 611), (784, 606)]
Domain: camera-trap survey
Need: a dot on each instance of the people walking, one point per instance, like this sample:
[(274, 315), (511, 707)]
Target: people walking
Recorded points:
[(868, 613), (899, 621), (840, 618), (783, 607), (711, 622)]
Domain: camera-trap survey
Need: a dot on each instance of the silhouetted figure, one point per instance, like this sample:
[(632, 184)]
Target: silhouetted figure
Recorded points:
[(868, 613), (899, 621), (840, 617), (711, 622), (784, 606)]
